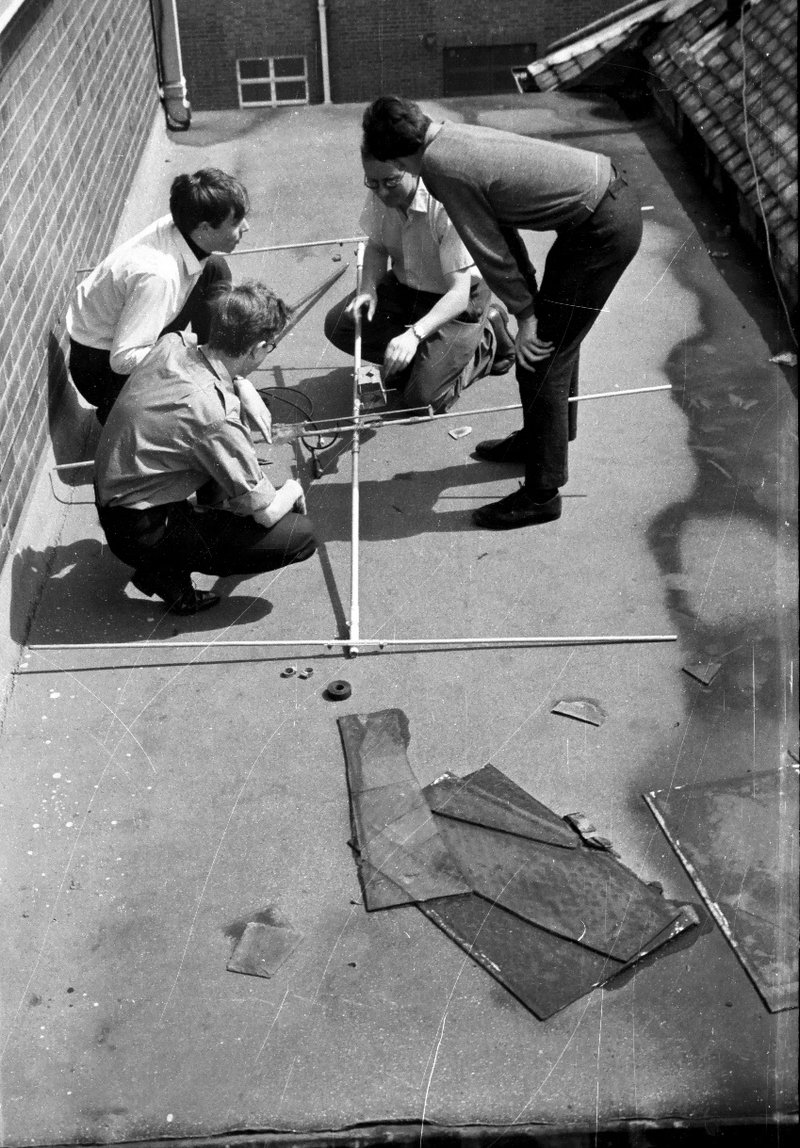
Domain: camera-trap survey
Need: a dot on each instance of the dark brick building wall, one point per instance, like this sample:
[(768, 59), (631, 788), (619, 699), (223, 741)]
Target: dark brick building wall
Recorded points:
[(215, 33), (77, 98), (373, 45)]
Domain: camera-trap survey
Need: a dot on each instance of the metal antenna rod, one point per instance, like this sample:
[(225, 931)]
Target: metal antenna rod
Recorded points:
[(379, 643), (354, 452)]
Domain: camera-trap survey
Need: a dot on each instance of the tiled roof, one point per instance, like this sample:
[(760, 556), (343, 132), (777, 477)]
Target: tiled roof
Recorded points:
[(573, 58), (738, 86)]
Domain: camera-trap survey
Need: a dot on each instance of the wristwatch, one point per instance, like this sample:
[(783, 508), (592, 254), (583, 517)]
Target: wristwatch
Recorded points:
[(413, 327)]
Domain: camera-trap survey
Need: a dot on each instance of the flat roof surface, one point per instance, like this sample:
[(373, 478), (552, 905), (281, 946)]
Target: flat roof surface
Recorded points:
[(156, 800)]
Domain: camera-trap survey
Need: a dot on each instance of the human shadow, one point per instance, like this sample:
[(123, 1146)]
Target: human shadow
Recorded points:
[(405, 504), (82, 598)]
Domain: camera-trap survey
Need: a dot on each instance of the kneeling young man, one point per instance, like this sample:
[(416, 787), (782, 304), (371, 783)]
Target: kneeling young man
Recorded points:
[(427, 318), (177, 427), (159, 281)]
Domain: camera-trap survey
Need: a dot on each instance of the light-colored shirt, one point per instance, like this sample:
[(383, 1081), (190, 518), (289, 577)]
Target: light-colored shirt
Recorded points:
[(133, 294), (176, 424), (422, 243), (490, 180)]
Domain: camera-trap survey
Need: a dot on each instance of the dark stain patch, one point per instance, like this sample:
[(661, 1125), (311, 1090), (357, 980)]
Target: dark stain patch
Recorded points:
[(102, 1038), (34, 1000), (268, 916)]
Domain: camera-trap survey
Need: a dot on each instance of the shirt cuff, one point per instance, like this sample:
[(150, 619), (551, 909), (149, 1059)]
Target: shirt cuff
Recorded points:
[(253, 501), (525, 313)]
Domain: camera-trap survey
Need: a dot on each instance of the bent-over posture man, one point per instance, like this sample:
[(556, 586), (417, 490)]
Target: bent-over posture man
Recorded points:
[(159, 281), (176, 428), (428, 319), (492, 184)]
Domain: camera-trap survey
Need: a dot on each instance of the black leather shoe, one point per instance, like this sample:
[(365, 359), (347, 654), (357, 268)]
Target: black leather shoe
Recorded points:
[(505, 354), (178, 594), (513, 448), (517, 509)]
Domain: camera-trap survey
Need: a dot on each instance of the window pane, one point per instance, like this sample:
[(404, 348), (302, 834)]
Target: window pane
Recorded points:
[(254, 69), (256, 94), (290, 65), (291, 90)]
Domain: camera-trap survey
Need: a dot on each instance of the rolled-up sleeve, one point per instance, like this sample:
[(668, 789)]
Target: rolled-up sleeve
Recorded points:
[(228, 455)]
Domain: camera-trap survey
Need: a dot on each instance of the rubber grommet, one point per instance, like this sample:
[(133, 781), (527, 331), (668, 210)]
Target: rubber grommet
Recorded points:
[(339, 690), (288, 672)]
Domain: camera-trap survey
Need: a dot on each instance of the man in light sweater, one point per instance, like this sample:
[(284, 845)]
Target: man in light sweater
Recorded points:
[(492, 185), (157, 282), (177, 427)]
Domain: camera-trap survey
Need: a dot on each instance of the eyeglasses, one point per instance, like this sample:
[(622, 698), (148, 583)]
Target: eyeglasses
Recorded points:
[(389, 183)]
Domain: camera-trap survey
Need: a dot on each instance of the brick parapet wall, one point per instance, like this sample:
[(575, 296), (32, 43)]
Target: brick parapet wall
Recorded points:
[(78, 93), (373, 45)]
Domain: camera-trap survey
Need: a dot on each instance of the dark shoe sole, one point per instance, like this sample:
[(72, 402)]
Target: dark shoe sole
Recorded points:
[(184, 602), (493, 517)]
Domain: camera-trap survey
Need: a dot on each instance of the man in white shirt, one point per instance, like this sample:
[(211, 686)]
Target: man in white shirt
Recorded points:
[(428, 319), (159, 281)]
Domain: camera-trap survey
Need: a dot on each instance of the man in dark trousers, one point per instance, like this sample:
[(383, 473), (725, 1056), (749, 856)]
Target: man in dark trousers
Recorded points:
[(177, 428), (159, 281), (494, 184)]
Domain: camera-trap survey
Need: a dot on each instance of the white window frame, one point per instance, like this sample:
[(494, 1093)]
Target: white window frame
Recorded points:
[(271, 79)]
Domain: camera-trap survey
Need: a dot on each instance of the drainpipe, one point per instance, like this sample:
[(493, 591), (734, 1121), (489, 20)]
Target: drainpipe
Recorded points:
[(172, 83), (323, 41)]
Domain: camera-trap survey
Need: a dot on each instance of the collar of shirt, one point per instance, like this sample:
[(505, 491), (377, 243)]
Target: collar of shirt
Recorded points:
[(191, 262), (216, 365), (421, 200)]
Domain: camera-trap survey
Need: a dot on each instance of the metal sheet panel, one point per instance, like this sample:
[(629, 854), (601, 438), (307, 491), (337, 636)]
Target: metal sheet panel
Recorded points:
[(738, 841)]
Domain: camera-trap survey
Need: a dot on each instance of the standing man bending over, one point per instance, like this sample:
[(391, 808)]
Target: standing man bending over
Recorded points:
[(428, 319), (177, 427), (159, 281), (491, 184)]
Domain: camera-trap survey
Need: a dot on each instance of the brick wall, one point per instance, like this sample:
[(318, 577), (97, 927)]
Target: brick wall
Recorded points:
[(215, 33), (77, 99), (374, 45)]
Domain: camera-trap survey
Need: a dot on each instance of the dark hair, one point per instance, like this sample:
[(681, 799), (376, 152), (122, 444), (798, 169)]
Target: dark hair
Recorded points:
[(244, 315), (393, 127), (208, 196)]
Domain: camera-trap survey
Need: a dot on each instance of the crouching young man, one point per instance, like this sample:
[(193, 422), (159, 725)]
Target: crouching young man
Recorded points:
[(177, 427)]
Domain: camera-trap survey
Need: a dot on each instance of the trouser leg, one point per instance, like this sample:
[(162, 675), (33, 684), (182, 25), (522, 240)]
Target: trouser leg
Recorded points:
[(172, 541), (458, 354), (221, 543), (454, 356), (90, 371), (583, 266), (195, 311), (389, 321)]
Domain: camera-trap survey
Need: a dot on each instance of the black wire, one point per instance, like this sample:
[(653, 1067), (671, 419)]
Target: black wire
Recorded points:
[(322, 440)]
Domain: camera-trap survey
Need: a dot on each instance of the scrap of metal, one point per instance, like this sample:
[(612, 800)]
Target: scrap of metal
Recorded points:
[(548, 914), (263, 948)]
